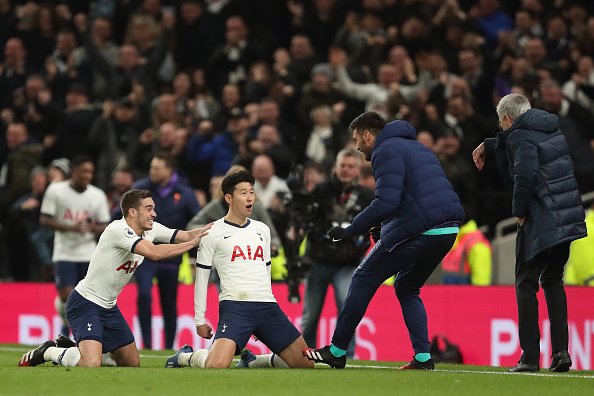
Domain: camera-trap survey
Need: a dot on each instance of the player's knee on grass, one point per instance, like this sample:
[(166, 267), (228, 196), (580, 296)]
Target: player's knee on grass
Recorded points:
[(293, 355), (90, 353), (90, 361), (217, 362), (127, 356), (303, 362), (129, 363)]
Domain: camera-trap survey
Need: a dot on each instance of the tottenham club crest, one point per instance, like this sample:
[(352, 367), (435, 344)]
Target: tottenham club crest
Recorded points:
[(129, 232)]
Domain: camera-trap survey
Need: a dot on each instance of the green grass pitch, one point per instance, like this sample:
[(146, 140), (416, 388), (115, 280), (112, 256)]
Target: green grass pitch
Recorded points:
[(358, 378)]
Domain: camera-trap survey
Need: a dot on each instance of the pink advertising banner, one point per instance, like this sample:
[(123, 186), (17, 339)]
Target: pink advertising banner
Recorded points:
[(481, 321)]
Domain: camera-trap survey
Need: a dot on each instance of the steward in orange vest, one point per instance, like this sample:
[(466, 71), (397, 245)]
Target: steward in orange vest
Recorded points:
[(470, 260)]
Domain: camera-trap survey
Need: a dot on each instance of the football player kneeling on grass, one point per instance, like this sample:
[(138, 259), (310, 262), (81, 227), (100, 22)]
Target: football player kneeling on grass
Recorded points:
[(96, 321), (239, 249)]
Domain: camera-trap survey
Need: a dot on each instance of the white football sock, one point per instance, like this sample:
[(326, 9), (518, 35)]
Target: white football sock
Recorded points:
[(52, 354), (270, 360), (184, 358), (198, 358), (70, 357), (65, 356), (107, 360)]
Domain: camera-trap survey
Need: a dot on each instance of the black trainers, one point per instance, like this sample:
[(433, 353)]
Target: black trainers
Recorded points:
[(417, 365), (35, 356), (172, 361), (561, 362), (323, 355), (64, 342), (522, 367)]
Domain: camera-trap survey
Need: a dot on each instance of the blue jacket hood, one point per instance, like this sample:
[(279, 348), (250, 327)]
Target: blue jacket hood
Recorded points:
[(537, 120), (398, 128)]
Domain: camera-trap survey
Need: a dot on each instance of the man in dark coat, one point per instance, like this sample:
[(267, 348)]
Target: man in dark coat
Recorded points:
[(419, 214), (546, 203)]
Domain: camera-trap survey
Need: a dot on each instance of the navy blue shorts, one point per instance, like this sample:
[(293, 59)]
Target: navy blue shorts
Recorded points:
[(238, 320), (89, 321), (69, 273)]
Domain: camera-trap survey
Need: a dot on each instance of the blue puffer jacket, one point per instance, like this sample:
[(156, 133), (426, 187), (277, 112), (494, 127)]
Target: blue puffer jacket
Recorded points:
[(533, 152), (412, 193)]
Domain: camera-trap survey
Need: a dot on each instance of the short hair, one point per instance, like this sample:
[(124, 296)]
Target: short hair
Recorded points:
[(132, 199), (79, 160), (349, 152), (513, 106), (169, 160), (233, 179), (370, 120)]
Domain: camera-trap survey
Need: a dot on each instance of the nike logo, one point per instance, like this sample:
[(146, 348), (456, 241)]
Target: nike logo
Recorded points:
[(336, 240), (227, 236)]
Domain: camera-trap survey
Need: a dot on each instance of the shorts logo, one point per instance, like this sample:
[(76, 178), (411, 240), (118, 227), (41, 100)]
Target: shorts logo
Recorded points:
[(89, 326), (224, 328), (129, 232)]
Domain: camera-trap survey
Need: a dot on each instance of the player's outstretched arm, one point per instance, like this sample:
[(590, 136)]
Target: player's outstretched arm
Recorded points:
[(165, 251), (200, 293), (186, 236)]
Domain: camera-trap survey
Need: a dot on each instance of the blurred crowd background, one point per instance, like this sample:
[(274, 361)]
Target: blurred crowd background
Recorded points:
[(270, 85)]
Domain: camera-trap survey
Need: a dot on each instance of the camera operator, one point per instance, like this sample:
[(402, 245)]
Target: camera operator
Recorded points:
[(339, 200)]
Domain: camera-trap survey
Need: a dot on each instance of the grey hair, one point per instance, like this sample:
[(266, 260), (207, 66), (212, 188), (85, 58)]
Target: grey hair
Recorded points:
[(513, 106), (349, 152)]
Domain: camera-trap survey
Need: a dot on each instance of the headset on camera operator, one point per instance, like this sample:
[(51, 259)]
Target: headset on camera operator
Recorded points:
[(339, 200)]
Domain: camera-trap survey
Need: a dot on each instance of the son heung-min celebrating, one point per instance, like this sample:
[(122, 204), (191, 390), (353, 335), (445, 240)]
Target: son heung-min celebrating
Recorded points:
[(239, 249), (96, 321)]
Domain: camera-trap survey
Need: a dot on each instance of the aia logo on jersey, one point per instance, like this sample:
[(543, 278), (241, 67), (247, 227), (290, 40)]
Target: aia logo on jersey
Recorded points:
[(246, 253), (128, 266), (76, 215)]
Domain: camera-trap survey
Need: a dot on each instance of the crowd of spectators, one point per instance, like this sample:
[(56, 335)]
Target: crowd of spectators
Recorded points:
[(271, 84)]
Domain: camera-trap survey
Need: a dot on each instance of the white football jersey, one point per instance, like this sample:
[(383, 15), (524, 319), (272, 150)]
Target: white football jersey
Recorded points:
[(114, 261), (65, 204), (241, 256)]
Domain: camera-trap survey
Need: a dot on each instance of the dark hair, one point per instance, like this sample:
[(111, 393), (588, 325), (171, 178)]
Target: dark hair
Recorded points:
[(79, 160), (169, 160), (368, 121), (132, 199), (233, 179)]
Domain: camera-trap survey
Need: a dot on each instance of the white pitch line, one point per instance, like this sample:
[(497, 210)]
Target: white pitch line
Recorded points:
[(379, 367), (551, 375), (13, 349)]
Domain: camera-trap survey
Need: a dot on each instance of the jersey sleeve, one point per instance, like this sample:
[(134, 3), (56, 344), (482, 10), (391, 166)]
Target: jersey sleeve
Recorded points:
[(204, 262), (163, 234), (122, 237), (49, 203), (200, 293), (205, 253)]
